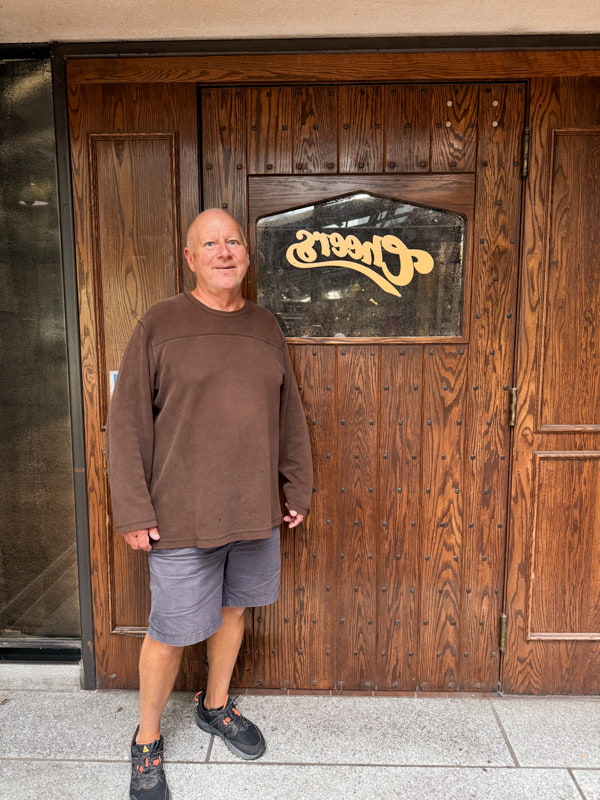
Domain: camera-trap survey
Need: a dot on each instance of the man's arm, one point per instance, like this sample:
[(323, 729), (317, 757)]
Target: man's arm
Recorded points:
[(295, 458), (130, 440)]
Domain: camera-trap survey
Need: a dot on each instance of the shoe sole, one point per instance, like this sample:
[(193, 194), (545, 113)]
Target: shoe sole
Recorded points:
[(204, 726)]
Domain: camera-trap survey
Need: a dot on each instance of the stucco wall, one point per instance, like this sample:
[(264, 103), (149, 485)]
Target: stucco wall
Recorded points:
[(89, 20)]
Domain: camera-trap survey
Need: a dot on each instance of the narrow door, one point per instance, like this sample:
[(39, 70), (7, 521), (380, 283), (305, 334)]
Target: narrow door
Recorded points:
[(134, 160), (553, 589)]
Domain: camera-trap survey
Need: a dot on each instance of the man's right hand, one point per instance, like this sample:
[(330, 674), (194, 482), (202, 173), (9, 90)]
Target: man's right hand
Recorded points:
[(141, 540)]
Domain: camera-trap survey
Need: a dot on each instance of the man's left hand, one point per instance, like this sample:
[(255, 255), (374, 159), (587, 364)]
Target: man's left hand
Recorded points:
[(293, 518)]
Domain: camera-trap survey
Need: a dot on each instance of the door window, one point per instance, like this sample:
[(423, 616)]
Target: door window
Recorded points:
[(362, 265)]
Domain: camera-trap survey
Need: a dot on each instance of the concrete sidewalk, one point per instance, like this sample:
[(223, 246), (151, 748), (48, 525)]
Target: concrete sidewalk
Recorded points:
[(57, 741)]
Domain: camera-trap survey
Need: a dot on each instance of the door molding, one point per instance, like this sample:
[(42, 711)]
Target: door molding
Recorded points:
[(295, 68)]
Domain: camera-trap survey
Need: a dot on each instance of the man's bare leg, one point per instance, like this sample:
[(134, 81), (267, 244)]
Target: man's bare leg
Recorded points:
[(159, 665), (223, 648)]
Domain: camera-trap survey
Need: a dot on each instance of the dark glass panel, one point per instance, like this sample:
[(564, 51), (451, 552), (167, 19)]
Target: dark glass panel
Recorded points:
[(38, 570), (362, 265)]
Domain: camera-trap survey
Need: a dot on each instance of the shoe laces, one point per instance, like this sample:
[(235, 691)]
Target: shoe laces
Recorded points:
[(145, 764), (228, 716)]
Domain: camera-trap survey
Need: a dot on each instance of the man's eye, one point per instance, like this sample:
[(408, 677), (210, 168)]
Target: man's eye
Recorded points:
[(209, 244), (233, 242)]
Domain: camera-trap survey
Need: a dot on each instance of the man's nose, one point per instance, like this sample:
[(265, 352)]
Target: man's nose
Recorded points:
[(223, 248)]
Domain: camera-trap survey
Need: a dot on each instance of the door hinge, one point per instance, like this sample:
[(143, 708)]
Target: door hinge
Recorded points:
[(525, 152), (512, 411), (502, 635)]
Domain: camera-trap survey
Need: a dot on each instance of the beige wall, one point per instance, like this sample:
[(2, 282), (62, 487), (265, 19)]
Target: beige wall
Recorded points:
[(92, 20)]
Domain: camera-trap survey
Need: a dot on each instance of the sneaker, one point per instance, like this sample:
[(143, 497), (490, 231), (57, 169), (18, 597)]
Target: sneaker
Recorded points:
[(148, 780), (240, 735)]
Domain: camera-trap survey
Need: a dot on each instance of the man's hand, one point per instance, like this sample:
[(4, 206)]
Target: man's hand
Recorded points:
[(141, 540), (293, 518)]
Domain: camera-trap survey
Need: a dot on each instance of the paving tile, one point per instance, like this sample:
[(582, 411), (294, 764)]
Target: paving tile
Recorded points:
[(375, 730), (37, 677), (34, 780), (589, 782), (552, 731), (60, 725), (295, 782)]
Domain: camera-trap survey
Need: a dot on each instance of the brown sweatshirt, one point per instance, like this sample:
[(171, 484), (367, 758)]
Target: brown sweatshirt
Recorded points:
[(204, 421)]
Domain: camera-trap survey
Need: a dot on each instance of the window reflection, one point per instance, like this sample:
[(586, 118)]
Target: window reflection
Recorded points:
[(362, 266), (38, 568)]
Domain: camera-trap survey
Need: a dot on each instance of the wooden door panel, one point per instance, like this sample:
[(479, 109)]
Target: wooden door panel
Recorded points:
[(360, 129), (454, 128), (270, 131), (443, 393), (407, 134), (315, 548), (571, 348), (134, 160), (564, 574), (224, 166), (400, 501), (315, 130), (493, 318), (553, 577), (358, 527)]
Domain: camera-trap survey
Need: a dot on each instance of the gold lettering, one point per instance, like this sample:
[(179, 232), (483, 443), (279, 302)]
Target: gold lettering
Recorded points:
[(371, 252), (354, 248), (338, 244), (323, 240), (304, 251), (304, 255), (394, 246)]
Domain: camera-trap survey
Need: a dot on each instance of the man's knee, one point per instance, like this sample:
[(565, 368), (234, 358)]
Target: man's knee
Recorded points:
[(232, 612), (152, 648)]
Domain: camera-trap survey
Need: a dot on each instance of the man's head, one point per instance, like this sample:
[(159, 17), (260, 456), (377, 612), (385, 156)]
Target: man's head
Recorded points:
[(217, 254)]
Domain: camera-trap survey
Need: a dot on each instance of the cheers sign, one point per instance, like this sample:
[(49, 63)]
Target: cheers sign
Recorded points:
[(318, 249)]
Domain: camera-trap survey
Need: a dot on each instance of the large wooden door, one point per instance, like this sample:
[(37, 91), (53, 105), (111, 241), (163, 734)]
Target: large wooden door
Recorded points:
[(553, 588), (396, 581)]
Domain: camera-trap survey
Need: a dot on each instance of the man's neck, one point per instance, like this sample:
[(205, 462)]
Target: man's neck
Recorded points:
[(227, 302)]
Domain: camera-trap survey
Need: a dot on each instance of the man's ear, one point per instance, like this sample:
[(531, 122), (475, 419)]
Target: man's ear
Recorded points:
[(188, 258)]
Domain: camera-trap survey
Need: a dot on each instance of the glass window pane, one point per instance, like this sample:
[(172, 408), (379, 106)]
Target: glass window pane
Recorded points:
[(361, 266), (38, 568)]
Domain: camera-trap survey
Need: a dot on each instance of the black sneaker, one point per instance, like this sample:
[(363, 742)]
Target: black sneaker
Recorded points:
[(240, 735), (148, 780)]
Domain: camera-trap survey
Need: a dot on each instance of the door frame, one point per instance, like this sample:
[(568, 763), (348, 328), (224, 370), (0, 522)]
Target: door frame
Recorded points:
[(74, 64)]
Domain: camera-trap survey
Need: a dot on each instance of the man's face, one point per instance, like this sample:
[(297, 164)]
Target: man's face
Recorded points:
[(217, 255)]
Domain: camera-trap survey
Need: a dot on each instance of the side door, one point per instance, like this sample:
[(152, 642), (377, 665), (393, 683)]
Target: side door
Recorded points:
[(553, 586), (135, 188)]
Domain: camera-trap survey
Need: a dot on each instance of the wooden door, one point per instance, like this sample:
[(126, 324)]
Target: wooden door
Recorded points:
[(134, 161), (396, 580), (553, 587)]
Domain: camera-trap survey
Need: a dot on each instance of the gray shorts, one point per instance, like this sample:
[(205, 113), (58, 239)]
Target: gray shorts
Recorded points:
[(189, 586)]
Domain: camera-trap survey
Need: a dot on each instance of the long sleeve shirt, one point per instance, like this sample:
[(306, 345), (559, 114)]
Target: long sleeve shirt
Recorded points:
[(205, 426)]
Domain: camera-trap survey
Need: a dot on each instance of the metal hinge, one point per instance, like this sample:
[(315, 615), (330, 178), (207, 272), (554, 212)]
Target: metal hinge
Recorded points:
[(502, 639), (512, 411), (525, 152)]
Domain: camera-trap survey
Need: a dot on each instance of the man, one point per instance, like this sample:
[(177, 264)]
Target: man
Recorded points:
[(204, 422)]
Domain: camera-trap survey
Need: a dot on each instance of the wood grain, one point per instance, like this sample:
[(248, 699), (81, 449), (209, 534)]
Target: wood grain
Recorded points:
[(565, 459), (297, 68)]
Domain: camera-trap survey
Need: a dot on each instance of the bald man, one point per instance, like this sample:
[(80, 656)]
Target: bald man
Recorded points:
[(205, 426)]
